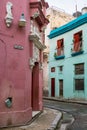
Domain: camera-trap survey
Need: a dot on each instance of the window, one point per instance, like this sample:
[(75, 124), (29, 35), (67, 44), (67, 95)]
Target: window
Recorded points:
[(60, 68), (79, 84), (79, 68), (60, 47), (77, 41), (53, 69), (79, 80)]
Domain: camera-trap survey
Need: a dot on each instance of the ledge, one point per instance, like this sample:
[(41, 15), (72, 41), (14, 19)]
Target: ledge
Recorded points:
[(36, 41), (77, 53), (59, 57), (37, 13), (69, 26)]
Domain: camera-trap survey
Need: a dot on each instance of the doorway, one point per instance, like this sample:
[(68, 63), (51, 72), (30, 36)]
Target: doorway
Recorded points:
[(35, 87), (52, 87), (61, 88)]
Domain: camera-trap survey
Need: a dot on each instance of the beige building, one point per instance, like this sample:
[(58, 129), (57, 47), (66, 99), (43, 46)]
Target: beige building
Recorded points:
[(57, 18)]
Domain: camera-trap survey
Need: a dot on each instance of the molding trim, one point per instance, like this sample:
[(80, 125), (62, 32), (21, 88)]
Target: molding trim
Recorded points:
[(69, 26)]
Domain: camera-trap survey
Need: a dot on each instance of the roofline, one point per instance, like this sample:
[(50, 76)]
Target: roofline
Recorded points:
[(69, 26)]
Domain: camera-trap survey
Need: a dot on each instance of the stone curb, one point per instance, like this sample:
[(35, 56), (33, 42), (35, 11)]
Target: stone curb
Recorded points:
[(67, 100), (69, 123), (55, 122), (65, 126)]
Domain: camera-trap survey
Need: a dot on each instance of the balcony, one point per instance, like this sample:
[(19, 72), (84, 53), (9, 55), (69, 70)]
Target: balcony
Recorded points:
[(37, 13), (59, 57), (36, 40), (36, 36), (76, 53)]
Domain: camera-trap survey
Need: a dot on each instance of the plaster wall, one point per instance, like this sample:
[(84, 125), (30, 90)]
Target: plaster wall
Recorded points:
[(56, 19), (68, 65), (15, 75)]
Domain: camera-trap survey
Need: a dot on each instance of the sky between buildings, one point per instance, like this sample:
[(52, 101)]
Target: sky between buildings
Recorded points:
[(69, 6)]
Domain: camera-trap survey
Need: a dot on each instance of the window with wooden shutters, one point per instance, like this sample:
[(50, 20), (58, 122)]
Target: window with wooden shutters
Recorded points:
[(77, 41), (60, 47), (61, 68), (53, 69), (79, 84), (79, 71)]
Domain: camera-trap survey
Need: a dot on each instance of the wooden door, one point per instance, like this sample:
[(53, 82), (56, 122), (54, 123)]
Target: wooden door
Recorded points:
[(61, 88), (53, 87)]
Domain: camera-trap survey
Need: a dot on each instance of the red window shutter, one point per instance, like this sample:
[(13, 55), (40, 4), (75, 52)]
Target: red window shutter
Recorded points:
[(59, 47), (59, 44), (76, 42)]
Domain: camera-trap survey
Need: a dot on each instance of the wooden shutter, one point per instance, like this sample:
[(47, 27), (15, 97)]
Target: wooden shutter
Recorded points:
[(59, 47), (76, 42)]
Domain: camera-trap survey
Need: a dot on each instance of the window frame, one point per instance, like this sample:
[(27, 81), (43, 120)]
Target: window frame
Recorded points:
[(77, 41), (60, 47), (79, 76), (79, 69), (52, 69), (78, 87)]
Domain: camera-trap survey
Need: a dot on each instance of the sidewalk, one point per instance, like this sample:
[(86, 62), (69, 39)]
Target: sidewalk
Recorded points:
[(78, 101), (47, 120)]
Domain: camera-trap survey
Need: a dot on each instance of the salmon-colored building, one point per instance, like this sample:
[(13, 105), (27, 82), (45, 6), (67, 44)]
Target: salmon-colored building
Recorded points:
[(22, 24)]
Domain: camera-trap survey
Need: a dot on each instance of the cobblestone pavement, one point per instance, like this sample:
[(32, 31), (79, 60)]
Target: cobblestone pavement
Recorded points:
[(78, 111), (80, 123), (43, 122)]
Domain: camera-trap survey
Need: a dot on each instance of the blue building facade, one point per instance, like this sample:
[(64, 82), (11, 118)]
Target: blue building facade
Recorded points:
[(68, 60)]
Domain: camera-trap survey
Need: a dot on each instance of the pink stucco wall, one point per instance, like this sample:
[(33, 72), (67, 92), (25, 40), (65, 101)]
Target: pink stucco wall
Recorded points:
[(15, 74), (17, 80)]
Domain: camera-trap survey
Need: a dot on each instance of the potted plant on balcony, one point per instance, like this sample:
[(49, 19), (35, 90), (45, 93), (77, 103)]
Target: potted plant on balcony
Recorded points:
[(55, 54), (72, 50)]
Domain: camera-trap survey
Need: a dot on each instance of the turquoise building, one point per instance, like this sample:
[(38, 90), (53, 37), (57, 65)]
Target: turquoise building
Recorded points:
[(68, 60)]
